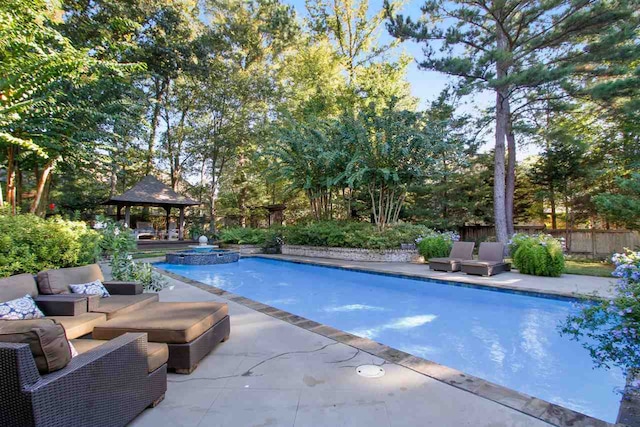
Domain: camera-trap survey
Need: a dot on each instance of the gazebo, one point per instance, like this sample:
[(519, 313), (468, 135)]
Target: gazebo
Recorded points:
[(153, 193)]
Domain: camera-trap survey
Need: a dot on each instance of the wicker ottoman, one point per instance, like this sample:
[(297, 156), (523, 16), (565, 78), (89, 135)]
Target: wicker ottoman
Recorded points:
[(190, 329)]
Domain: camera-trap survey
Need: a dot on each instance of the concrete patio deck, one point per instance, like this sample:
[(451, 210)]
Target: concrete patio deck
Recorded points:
[(570, 285), (272, 373)]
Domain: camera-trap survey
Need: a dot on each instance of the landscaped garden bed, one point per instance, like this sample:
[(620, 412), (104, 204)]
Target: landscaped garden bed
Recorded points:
[(354, 254)]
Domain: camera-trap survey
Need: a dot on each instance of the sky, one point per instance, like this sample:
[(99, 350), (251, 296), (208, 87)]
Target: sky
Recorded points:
[(426, 85)]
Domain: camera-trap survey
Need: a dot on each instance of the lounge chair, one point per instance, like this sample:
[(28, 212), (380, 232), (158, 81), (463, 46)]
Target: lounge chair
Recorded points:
[(144, 230), (490, 261), (109, 383), (126, 297), (191, 330), (106, 386), (461, 251)]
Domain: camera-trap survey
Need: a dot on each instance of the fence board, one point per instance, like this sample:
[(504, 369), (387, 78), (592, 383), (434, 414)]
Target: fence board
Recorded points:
[(598, 243)]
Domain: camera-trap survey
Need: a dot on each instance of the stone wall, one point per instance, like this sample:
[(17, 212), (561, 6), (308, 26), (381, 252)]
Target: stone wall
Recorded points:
[(243, 249), (353, 254)]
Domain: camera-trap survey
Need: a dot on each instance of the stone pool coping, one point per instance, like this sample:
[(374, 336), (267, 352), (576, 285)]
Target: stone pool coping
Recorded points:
[(451, 279), (546, 411)]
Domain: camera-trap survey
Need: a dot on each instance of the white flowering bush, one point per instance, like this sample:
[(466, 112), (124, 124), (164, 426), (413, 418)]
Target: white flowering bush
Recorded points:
[(434, 244), (117, 244), (539, 255), (610, 329)]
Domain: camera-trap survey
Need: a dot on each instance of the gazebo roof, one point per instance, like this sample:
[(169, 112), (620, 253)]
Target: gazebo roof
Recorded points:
[(151, 192)]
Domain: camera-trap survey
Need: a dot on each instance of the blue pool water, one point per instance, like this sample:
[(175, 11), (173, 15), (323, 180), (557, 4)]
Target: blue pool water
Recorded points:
[(510, 339)]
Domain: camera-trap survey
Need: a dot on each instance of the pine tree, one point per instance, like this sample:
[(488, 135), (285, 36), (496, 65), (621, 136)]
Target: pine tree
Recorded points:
[(514, 48)]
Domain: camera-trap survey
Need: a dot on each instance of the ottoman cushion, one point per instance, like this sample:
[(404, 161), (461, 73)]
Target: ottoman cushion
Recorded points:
[(80, 324), (157, 353), (117, 305), (167, 322)]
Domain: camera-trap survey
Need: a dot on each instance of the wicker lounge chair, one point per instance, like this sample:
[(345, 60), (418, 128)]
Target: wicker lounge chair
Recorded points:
[(460, 251), (106, 386), (490, 260)]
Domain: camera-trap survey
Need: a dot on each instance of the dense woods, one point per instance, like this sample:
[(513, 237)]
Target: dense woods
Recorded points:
[(243, 104)]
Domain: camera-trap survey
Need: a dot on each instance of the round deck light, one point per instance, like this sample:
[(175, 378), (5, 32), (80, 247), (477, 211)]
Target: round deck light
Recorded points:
[(370, 371)]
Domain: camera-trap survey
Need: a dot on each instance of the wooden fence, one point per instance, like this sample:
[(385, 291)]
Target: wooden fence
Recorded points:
[(595, 243)]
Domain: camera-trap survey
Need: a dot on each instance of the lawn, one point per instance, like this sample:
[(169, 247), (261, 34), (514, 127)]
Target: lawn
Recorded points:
[(588, 268)]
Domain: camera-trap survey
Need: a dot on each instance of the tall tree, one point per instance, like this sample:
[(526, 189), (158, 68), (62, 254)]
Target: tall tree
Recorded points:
[(510, 47)]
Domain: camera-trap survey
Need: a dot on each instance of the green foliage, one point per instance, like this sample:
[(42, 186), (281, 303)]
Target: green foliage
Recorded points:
[(126, 269), (116, 239), (245, 236), (29, 244), (351, 234), (622, 207), (117, 244), (610, 329), (435, 244), (537, 255)]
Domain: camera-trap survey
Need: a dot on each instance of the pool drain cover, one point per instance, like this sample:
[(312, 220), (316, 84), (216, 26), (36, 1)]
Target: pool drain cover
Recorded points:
[(370, 371)]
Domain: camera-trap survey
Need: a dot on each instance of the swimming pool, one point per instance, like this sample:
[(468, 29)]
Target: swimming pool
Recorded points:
[(507, 338)]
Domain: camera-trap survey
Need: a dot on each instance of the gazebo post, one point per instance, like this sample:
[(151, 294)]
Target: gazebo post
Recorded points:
[(127, 216), (118, 212), (168, 219), (181, 224)]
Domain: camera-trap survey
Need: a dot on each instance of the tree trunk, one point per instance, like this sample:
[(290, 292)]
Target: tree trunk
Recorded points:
[(155, 115), (42, 181), (554, 215), (502, 118), (511, 176), (11, 183), (499, 185), (212, 200), (113, 184)]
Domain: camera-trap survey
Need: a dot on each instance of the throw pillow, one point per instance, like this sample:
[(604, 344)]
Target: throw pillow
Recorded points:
[(94, 288), (20, 309)]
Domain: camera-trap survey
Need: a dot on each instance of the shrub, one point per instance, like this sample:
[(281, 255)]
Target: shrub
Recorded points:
[(435, 244), (244, 236), (539, 255), (351, 234), (29, 244), (118, 241), (610, 329)]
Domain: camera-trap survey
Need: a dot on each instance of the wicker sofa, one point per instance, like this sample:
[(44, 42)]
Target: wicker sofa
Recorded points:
[(107, 384)]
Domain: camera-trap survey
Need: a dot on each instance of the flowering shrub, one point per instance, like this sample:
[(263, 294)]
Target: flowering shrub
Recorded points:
[(435, 244), (118, 241), (610, 329), (539, 255)]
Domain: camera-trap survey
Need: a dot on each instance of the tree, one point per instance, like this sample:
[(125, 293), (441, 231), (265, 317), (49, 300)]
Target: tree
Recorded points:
[(49, 106), (622, 207), (392, 152), (513, 48)]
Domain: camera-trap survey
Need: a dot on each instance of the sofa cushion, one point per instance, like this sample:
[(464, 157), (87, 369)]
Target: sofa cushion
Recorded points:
[(157, 353), (46, 339), (57, 281), (117, 305), (20, 309), (81, 324), (92, 288), (17, 286), (168, 322)]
